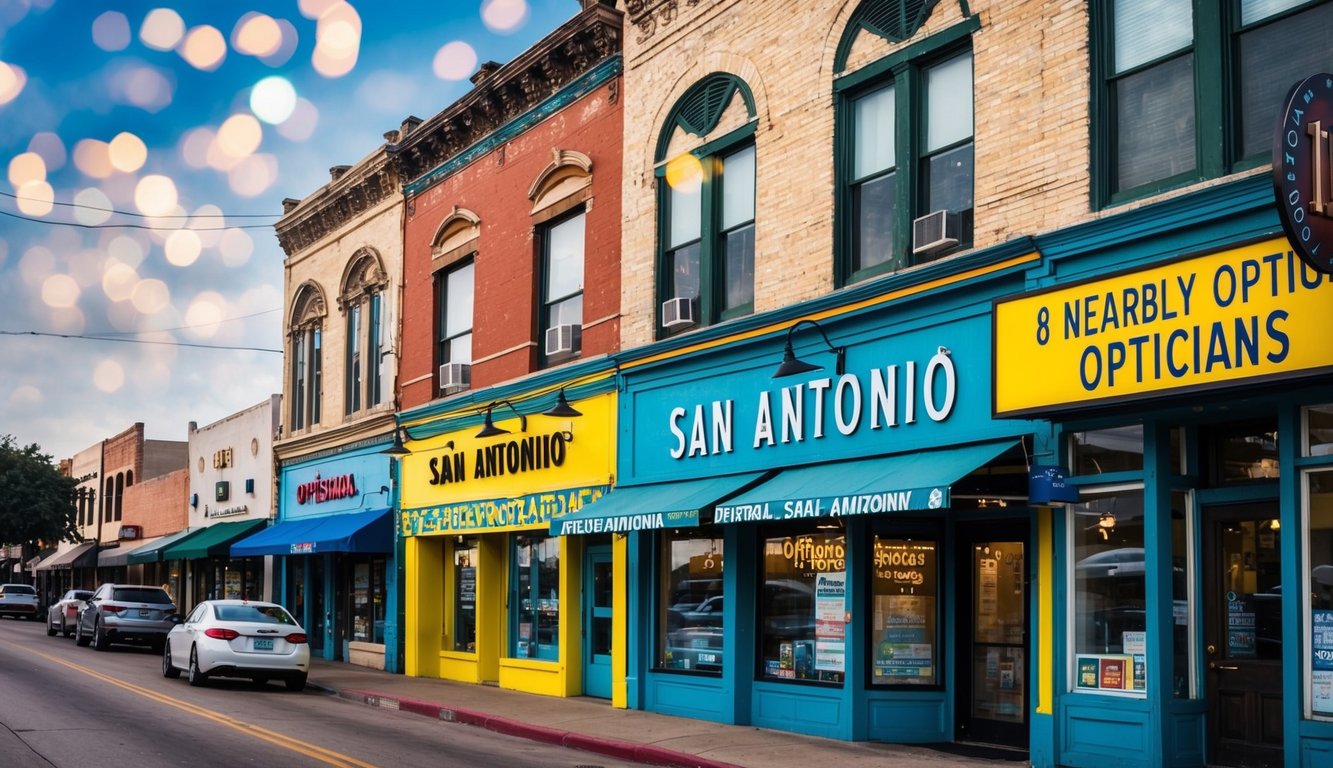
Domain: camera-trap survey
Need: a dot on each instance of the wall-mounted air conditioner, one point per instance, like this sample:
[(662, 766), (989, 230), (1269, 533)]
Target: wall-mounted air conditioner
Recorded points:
[(455, 376), (936, 231), (678, 312), (564, 340)]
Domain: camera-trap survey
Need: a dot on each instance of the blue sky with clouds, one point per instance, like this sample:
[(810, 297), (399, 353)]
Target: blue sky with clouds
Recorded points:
[(145, 149)]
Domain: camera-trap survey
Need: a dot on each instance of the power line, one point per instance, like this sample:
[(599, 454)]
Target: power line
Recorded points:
[(145, 215), (139, 341), (132, 226)]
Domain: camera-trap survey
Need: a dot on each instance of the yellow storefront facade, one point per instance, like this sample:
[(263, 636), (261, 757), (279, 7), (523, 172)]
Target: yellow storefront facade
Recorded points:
[(490, 596)]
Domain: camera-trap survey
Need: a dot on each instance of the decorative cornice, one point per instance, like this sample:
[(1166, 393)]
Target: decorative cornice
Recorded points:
[(504, 94), (648, 15), (352, 192)]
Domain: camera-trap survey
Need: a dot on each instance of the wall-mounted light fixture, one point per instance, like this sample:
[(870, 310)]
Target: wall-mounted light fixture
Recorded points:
[(791, 365), (490, 430), (562, 408), (397, 450)]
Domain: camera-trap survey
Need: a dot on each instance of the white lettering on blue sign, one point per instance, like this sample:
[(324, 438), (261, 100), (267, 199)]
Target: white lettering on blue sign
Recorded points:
[(742, 513), (620, 524)]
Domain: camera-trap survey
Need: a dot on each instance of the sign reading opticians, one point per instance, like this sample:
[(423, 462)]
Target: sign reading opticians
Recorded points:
[(1242, 315), (1303, 170)]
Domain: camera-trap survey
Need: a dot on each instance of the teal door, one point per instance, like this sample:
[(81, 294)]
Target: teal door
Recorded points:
[(597, 622)]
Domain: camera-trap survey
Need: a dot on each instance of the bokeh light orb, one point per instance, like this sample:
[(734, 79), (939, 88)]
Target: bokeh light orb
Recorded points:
[(26, 396), (253, 176), (313, 9), (290, 39), (50, 148), (235, 247), (92, 206), (118, 280), (25, 167), (504, 16), (127, 250), (204, 48), (273, 99), (147, 88), (239, 136), (109, 376), (205, 313), (256, 34), (455, 61), (182, 247), (162, 29), (60, 291), (111, 31), (194, 147), (301, 125), (685, 173), (150, 296), (36, 264), (155, 195), (93, 158), (35, 198), (128, 152), (12, 80), (207, 222)]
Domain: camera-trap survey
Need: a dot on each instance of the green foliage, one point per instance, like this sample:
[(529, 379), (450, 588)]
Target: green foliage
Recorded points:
[(36, 500)]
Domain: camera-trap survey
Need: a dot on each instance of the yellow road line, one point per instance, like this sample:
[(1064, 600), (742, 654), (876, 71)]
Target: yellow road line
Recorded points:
[(313, 751)]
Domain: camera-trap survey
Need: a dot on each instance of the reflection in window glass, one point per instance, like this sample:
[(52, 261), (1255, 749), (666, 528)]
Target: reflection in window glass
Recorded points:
[(1319, 430), (903, 588), (535, 616), (1319, 585), (1107, 450), (1181, 608), (1245, 452), (690, 615), (465, 594), (802, 606), (1109, 592), (1272, 58)]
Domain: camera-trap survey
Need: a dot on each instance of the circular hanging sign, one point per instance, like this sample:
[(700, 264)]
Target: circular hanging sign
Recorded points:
[(1303, 170)]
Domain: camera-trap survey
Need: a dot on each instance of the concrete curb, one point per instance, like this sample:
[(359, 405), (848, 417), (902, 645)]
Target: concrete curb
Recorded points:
[(621, 750)]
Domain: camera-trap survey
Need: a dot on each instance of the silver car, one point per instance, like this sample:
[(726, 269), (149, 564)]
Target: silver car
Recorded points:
[(62, 614), (19, 601), (125, 613)]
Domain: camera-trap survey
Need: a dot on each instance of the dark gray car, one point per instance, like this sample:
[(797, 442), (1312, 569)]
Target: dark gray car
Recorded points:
[(125, 613)]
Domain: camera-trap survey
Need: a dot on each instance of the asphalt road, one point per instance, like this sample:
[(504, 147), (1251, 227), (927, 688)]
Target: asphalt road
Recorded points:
[(71, 707)]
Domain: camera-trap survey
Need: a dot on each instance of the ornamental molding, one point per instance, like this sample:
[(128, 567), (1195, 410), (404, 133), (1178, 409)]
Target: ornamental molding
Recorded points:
[(350, 194), (648, 15), (502, 93)]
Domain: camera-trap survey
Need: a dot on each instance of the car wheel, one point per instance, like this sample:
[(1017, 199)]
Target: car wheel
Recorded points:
[(195, 675), (50, 628), (296, 683), (80, 639), (100, 642), (168, 669)]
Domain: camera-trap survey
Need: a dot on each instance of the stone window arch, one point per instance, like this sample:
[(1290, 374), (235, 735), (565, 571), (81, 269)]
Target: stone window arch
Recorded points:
[(305, 338), (367, 345)]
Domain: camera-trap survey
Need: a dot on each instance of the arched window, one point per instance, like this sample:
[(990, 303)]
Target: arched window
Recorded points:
[(120, 496), (453, 261), (706, 181), (367, 341), (559, 207), (305, 356), (109, 499)]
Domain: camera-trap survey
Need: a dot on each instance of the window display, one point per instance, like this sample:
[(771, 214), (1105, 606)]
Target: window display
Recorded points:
[(1109, 592), (535, 615), (367, 593), (1319, 511), (803, 606), (465, 595), (904, 618), (690, 616)]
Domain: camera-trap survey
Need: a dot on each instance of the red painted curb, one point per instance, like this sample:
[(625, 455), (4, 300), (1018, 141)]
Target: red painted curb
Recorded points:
[(623, 750)]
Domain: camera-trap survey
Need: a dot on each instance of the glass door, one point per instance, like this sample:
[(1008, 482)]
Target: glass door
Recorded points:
[(597, 622), (992, 687)]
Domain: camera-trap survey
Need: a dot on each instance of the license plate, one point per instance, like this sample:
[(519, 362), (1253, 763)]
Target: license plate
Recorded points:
[(143, 611), (263, 643)]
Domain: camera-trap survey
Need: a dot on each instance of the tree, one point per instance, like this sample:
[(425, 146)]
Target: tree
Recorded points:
[(36, 500)]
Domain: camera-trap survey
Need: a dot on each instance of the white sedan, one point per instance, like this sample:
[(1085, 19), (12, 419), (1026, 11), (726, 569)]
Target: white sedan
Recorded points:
[(238, 638)]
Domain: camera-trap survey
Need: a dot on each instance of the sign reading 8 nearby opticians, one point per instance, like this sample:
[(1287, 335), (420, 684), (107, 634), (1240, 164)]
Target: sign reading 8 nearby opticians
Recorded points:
[(1245, 314)]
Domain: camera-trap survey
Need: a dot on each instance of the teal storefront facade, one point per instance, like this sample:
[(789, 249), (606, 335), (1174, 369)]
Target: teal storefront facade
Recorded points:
[(1179, 358), (844, 551)]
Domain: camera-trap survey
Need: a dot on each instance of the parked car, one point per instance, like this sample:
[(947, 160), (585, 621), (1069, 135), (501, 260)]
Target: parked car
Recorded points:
[(18, 600), (125, 613), (62, 614), (238, 638)]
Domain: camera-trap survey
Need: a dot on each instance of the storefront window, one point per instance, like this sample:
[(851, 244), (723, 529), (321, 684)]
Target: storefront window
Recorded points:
[(535, 615), (465, 594), (690, 615), (1319, 586), (368, 591), (803, 606), (1182, 686), (1319, 430), (1109, 592), (1102, 451), (1245, 452), (905, 621)]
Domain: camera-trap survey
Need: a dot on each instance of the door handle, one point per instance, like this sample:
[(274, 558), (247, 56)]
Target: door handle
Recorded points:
[(1222, 667)]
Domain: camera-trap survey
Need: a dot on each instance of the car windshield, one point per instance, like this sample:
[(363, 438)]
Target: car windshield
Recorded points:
[(78, 594), (140, 595), (261, 614), (19, 589)]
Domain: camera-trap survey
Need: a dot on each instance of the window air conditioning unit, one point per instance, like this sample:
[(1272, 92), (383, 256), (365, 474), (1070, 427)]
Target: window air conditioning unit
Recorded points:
[(455, 376), (564, 340), (934, 232), (678, 312)]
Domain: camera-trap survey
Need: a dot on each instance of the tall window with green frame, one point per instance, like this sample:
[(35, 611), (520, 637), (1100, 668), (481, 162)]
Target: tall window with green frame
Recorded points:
[(562, 280), (706, 209), (907, 152), (454, 304), (1188, 90)]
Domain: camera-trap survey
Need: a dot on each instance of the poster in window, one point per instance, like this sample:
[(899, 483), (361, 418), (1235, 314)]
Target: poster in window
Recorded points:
[(1135, 645), (830, 622), (1088, 669), (1112, 673), (904, 649), (361, 584), (988, 576), (232, 585), (467, 587), (1240, 630), (1321, 666)]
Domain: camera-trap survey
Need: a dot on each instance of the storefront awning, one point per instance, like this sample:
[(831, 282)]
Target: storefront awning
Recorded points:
[(44, 554), (369, 531), (152, 551), (110, 558), (901, 483), (656, 505), (213, 541), (81, 556)]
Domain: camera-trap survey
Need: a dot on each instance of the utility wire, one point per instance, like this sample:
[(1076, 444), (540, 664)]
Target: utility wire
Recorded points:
[(145, 215), (133, 226), (139, 341)]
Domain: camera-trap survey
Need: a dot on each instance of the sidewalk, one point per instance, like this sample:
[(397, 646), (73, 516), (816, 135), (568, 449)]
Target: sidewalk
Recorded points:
[(593, 725)]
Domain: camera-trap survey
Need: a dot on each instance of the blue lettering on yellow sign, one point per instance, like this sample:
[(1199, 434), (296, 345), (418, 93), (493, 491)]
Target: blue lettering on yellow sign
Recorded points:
[(530, 511)]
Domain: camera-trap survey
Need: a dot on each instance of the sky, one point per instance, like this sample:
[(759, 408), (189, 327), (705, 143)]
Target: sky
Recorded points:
[(145, 149)]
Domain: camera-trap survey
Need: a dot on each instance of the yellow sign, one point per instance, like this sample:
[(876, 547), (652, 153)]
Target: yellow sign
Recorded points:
[(1256, 312), (552, 454)]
